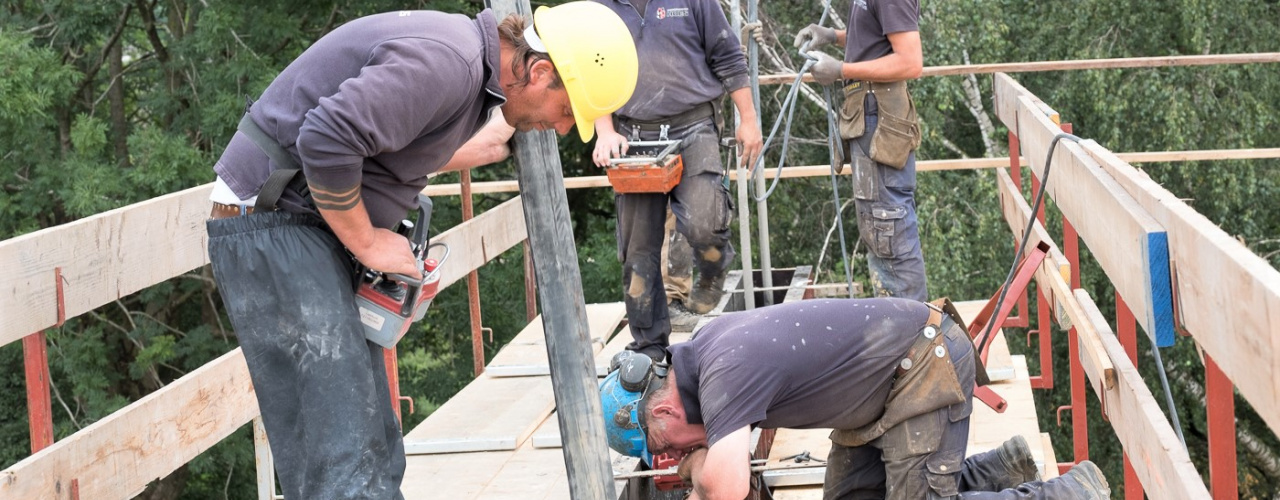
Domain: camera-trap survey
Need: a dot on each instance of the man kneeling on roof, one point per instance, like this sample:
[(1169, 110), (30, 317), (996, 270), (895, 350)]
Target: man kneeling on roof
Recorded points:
[(894, 377)]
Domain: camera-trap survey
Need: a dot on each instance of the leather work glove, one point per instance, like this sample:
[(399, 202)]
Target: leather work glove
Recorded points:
[(827, 70), (816, 36)]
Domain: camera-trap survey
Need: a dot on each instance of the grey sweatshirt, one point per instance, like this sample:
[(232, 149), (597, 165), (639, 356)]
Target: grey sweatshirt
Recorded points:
[(379, 102), (688, 55)]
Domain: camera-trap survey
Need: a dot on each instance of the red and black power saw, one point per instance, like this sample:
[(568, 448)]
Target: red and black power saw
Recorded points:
[(387, 302)]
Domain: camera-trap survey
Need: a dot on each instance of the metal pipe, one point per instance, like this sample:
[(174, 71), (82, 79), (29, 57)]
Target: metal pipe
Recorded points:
[(762, 206), (744, 213)]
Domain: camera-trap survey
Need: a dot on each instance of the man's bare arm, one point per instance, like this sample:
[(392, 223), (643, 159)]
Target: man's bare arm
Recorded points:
[(380, 249), (906, 62), (722, 472), (489, 145)]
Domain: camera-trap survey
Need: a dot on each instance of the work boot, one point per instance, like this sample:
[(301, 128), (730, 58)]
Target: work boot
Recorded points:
[(1091, 484), (706, 295), (1005, 467), (682, 320)]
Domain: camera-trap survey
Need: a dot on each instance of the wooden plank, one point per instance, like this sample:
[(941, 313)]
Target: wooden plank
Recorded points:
[(1130, 246), (116, 457), (1048, 469), (1077, 64), (103, 257), (526, 354), (1016, 213), (456, 476), (1222, 287), (999, 363), (479, 240), (1005, 92), (489, 414), (1159, 459)]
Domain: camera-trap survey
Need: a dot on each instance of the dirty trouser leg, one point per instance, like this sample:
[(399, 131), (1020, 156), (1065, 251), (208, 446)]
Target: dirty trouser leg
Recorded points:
[(320, 385), (640, 235), (885, 201), (703, 212), (677, 262)]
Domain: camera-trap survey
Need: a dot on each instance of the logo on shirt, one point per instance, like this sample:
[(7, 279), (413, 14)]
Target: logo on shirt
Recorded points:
[(664, 13), (861, 4)]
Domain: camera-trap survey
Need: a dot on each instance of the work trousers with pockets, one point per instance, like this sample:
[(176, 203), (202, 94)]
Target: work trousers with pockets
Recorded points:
[(702, 210), (322, 388), (924, 457), (884, 198)]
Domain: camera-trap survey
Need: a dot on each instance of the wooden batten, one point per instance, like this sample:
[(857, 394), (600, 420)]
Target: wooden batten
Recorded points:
[(102, 258), (480, 239), (116, 457), (1159, 459)]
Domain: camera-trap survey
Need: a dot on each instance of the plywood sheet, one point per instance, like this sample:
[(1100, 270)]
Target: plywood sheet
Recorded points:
[(489, 414), (526, 354)]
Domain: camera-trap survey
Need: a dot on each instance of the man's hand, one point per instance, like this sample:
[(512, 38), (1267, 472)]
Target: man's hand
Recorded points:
[(609, 144), (751, 142), (388, 252), (827, 70), (690, 463), (816, 36)]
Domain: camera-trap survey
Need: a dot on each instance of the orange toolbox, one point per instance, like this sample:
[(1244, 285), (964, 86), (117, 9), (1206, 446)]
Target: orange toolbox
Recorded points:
[(648, 167)]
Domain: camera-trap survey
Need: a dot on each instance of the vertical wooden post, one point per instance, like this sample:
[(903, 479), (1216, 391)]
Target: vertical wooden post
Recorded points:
[(1221, 403), (564, 312), (262, 457), (1127, 334)]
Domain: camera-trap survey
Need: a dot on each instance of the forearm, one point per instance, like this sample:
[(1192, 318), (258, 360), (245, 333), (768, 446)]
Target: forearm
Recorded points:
[(345, 214), (893, 67), (490, 145), (604, 125), (745, 104)]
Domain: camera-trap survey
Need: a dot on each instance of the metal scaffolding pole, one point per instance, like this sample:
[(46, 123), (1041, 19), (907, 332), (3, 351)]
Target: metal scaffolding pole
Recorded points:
[(762, 206), (744, 212)]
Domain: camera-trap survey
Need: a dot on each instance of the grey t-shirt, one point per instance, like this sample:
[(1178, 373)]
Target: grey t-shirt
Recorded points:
[(870, 23), (688, 55), (809, 364), (381, 102)]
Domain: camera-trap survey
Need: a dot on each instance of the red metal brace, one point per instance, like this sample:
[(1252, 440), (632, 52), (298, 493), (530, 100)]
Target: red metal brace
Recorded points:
[(1022, 277)]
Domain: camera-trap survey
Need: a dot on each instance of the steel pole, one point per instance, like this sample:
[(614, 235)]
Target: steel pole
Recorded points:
[(744, 212), (762, 206)]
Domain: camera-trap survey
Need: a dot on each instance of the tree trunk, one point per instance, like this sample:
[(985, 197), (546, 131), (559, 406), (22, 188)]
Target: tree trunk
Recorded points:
[(115, 99)]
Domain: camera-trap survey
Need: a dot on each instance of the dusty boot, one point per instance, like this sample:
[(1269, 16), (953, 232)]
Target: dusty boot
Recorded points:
[(682, 320), (706, 295), (1089, 481), (1005, 467)]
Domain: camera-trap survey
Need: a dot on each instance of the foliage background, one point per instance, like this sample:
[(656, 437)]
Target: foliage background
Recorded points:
[(111, 102)]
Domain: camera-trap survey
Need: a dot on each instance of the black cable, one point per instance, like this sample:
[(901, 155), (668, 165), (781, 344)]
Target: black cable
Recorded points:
[(1031, 222)]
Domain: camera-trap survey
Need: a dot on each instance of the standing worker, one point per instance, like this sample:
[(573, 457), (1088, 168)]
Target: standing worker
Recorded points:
[(690, 58), (894, 377), (368, 111), (878, 118)]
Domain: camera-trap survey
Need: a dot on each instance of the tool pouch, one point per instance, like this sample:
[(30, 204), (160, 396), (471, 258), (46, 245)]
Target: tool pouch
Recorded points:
[(926, 383), (979, 369), (898, 131)]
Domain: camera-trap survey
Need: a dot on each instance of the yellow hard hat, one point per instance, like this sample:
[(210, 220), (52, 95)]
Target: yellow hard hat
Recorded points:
[(595, 56)]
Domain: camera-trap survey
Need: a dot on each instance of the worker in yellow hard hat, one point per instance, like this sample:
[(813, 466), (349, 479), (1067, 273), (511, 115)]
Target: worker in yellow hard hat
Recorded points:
[(323, 168)]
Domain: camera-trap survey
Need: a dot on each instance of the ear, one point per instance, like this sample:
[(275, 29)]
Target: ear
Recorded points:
[(667, 410), (540, 73)]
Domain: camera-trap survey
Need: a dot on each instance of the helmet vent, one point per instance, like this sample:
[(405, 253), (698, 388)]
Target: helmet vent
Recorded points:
[(599, 59)]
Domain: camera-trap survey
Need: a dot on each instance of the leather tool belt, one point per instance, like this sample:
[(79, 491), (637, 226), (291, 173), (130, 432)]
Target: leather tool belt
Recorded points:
[(898, 131)]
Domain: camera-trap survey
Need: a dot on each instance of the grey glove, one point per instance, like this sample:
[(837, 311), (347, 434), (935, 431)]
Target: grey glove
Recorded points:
[(816, 36), (827, 70)]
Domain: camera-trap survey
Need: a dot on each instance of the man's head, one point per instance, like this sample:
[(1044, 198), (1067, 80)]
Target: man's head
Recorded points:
[(643, 413), (575, 64)]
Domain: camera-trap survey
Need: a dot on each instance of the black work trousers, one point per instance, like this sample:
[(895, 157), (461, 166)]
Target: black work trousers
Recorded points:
[(702, 210), (321, 387)]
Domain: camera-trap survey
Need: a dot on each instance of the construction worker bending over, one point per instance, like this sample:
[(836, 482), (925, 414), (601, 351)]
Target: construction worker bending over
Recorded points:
[(367, 112), (894, 377), (878, 119), (689, 57)]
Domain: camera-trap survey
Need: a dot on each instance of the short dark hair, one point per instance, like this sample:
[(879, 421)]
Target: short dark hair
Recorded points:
[(511, 32)]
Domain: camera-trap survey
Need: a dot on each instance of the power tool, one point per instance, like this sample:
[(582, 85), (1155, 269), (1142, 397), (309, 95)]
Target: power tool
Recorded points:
[(388, 303), (648, 167)]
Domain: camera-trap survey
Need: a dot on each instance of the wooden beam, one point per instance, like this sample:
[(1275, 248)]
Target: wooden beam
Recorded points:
[(1023, 67), (1158, 457), (526, 354), (1054, 282), (1005, 92), (479, 240), (116, 457), (1228, 298), (1130, 246), (103, 257)]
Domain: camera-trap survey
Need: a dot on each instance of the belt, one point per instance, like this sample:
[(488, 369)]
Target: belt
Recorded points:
[(225, 211), (698, 113)]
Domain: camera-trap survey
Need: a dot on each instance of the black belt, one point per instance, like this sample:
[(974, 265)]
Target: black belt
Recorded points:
[(694, 115)]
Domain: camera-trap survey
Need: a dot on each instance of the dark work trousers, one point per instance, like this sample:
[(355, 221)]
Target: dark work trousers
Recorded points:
[(924, 457), (321, 387), (702, 209), (884, 198)]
